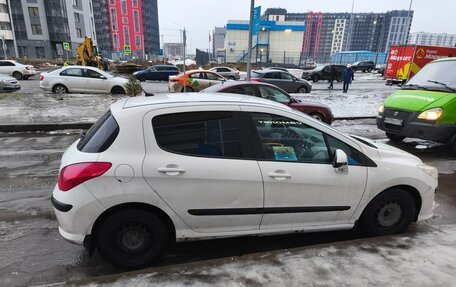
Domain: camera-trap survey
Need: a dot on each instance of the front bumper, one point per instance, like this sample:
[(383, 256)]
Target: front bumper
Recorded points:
[(413, 127), (10, 87)]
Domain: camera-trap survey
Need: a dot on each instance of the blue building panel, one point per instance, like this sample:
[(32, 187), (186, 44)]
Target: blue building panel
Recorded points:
[(268, 25)]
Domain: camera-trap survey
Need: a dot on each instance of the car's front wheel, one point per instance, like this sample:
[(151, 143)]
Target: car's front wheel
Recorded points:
[(131, 238), (60, 89), (394, 137), (141, 78), (17, 75), (452, 146), (302, 90), (315, 78), (390, 212)]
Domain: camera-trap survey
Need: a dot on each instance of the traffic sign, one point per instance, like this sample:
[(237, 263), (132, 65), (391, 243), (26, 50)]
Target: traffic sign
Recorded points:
[(127, 50), (66, 46)]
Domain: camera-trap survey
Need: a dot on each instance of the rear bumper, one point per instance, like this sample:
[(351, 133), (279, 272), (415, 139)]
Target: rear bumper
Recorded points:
[(71, 237), (10, 88)]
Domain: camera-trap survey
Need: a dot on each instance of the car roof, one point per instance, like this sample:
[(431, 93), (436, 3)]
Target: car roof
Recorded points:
[(157, 101), (445, 59), (228, 84)]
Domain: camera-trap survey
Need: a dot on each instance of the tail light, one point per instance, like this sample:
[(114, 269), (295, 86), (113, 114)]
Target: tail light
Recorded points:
[(173, 79), (254, 80), (75, 174), (41, 77)]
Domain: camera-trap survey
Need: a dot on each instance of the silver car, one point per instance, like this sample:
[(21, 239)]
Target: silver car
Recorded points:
[(229, 73), (8, 84)]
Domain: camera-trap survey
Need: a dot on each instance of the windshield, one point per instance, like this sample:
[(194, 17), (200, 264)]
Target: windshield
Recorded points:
[(319, 68), (435, 76)]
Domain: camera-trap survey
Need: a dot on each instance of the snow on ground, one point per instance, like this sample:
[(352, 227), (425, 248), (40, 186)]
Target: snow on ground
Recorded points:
[(426, 258)]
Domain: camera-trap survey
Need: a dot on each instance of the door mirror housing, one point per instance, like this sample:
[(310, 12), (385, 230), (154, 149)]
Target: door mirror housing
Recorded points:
[(102, 77), (340, 161)]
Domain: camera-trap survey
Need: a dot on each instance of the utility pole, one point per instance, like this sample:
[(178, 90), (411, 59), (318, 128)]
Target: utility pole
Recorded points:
[(249, 52), (408, 23), (163, 47)]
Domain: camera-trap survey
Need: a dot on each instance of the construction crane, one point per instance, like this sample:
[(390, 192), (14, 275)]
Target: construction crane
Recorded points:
[(88, 55)]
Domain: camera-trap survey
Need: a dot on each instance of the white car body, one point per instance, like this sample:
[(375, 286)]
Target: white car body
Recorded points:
[(191, 190), (76, 79), (16, 69)]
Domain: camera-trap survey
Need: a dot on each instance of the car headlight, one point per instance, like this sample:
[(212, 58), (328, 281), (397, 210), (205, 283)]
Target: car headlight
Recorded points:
[(381, 109), (429, 170), (431, 114)]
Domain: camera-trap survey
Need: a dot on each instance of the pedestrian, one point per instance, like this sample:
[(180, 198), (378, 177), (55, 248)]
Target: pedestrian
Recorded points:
[(348, 77), (332, 77), (65, 63)]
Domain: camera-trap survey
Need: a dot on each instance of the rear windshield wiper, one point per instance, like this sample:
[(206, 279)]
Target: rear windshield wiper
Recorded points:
[(443, 84)]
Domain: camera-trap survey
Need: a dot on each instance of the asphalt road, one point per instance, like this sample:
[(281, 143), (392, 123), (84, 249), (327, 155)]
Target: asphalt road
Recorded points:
[(32, 252)]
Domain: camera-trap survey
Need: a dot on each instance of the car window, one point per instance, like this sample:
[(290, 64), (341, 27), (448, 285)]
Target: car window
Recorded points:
[(273, 75), (72, 72), (223, 70), (244, 90), (354, 156), (209, 134), (152, 69), (196, 76), (286, 76), (213, 77), (284, 139), (92, 74), (273, 94), (100, 136)]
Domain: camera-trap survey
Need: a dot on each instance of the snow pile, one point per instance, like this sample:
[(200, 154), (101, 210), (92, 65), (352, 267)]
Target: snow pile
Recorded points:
[(427, 258)]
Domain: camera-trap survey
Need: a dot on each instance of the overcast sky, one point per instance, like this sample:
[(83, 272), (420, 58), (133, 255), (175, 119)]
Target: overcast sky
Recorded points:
[(201, 16)]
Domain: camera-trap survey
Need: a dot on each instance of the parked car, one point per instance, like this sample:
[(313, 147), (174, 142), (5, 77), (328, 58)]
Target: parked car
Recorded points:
[(8, 84), (365, 66), (81, 79), (323, 72), (157, 73), (17, 70), (380, 68), (156, 170), (283, 80), (425, 107), (229, 73), (194, 81), (270, 92), (277, 68)]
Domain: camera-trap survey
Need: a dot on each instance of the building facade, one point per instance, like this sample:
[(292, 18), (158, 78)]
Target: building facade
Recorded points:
[(218, 43), (173, 50), (432, 39), (6, 30)]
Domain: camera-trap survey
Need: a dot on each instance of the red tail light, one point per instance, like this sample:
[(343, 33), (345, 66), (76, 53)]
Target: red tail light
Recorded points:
[(75, 174), (41, 77), (174, 79), (254, 80)]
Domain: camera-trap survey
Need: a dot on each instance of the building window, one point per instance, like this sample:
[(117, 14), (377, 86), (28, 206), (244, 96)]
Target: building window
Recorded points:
[(40, 54), (124, 20), (126, 35), (138, 41), (34, 12), (136, 20), (115, 41), (76, 18), (78, 33), (112, 2), (75, 2), (36, 29), (124, 6), (135, 3), (114, 19), (22, 51)]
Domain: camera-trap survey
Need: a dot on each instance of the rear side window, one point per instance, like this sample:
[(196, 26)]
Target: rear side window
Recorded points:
[(209, 134), (100, 136)]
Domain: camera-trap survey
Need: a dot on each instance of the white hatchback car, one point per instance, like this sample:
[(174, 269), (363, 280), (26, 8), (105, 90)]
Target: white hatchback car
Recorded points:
[(81, 79), (17, 70), (172, 168)]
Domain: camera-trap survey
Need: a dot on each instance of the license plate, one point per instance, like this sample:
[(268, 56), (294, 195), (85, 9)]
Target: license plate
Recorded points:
[(392, 121)]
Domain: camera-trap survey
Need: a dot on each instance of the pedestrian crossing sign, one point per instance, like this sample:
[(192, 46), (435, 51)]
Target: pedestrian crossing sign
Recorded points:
[(127, 50), (66, 46)]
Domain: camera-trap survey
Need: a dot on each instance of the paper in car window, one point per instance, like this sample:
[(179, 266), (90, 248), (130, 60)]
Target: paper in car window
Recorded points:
[(285, 153)]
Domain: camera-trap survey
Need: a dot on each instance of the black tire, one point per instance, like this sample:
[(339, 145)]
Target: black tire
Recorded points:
[(451, 146), (141, 78), (117, 91), (60, 89), (26, 78), (231, 78), (132, 238), (17, 75), (339, 79), (188, 90), (390, 212), (315, 78), (318, 117), (302, 90), (369, 70), (395, 138)]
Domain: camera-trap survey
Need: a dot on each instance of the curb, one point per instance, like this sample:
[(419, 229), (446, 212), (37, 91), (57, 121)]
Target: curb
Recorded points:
[(9, 128)]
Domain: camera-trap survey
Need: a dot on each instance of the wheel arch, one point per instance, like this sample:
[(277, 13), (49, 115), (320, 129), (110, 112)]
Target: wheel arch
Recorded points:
[(117, 86), (58, 83)]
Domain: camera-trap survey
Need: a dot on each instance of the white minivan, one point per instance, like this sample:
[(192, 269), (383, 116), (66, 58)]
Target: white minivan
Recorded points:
[(155, 170)]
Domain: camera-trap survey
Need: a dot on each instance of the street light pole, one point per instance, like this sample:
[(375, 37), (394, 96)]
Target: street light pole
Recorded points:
[(249, 52)]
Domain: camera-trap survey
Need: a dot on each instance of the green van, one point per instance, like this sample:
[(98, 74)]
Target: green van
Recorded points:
[(425, 107)]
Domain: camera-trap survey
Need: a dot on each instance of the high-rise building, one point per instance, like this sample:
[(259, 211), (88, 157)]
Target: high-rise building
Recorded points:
[(432, 39), (6, 30), (329, 33), (218, 42)]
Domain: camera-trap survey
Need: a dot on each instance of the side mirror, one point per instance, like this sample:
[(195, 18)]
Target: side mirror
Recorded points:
[(340, 161), (103, 77)]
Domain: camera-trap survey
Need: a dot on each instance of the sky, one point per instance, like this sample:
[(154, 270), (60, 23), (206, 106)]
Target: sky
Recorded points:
[(199, 17)]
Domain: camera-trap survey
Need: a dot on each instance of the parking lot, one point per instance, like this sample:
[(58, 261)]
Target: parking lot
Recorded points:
[(33, 253)]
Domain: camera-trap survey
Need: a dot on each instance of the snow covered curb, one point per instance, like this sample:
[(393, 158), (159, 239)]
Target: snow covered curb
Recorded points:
[(425, 258)]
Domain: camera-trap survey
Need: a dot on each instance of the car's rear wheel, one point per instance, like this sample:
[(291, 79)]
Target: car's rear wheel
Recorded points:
[(318, 117), (315, 78), (17, 75), (394, 137), (132, 238), (117, 91), (302, 90), (60, 89), (188, 90), (390, 212), (369, 70)]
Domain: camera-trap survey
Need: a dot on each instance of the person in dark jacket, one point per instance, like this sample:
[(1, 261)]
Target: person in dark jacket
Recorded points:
[(347, 77), (332, 77)]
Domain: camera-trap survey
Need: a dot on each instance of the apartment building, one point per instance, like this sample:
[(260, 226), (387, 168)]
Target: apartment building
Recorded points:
[(432, 39), (6, 30)]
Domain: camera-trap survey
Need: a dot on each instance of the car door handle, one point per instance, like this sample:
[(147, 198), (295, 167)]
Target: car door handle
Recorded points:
[(279, 176), (171, 170)]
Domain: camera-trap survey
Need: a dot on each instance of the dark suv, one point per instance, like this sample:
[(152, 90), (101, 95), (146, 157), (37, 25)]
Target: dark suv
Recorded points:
[(323, 73), (365, 66), (157, 73)]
